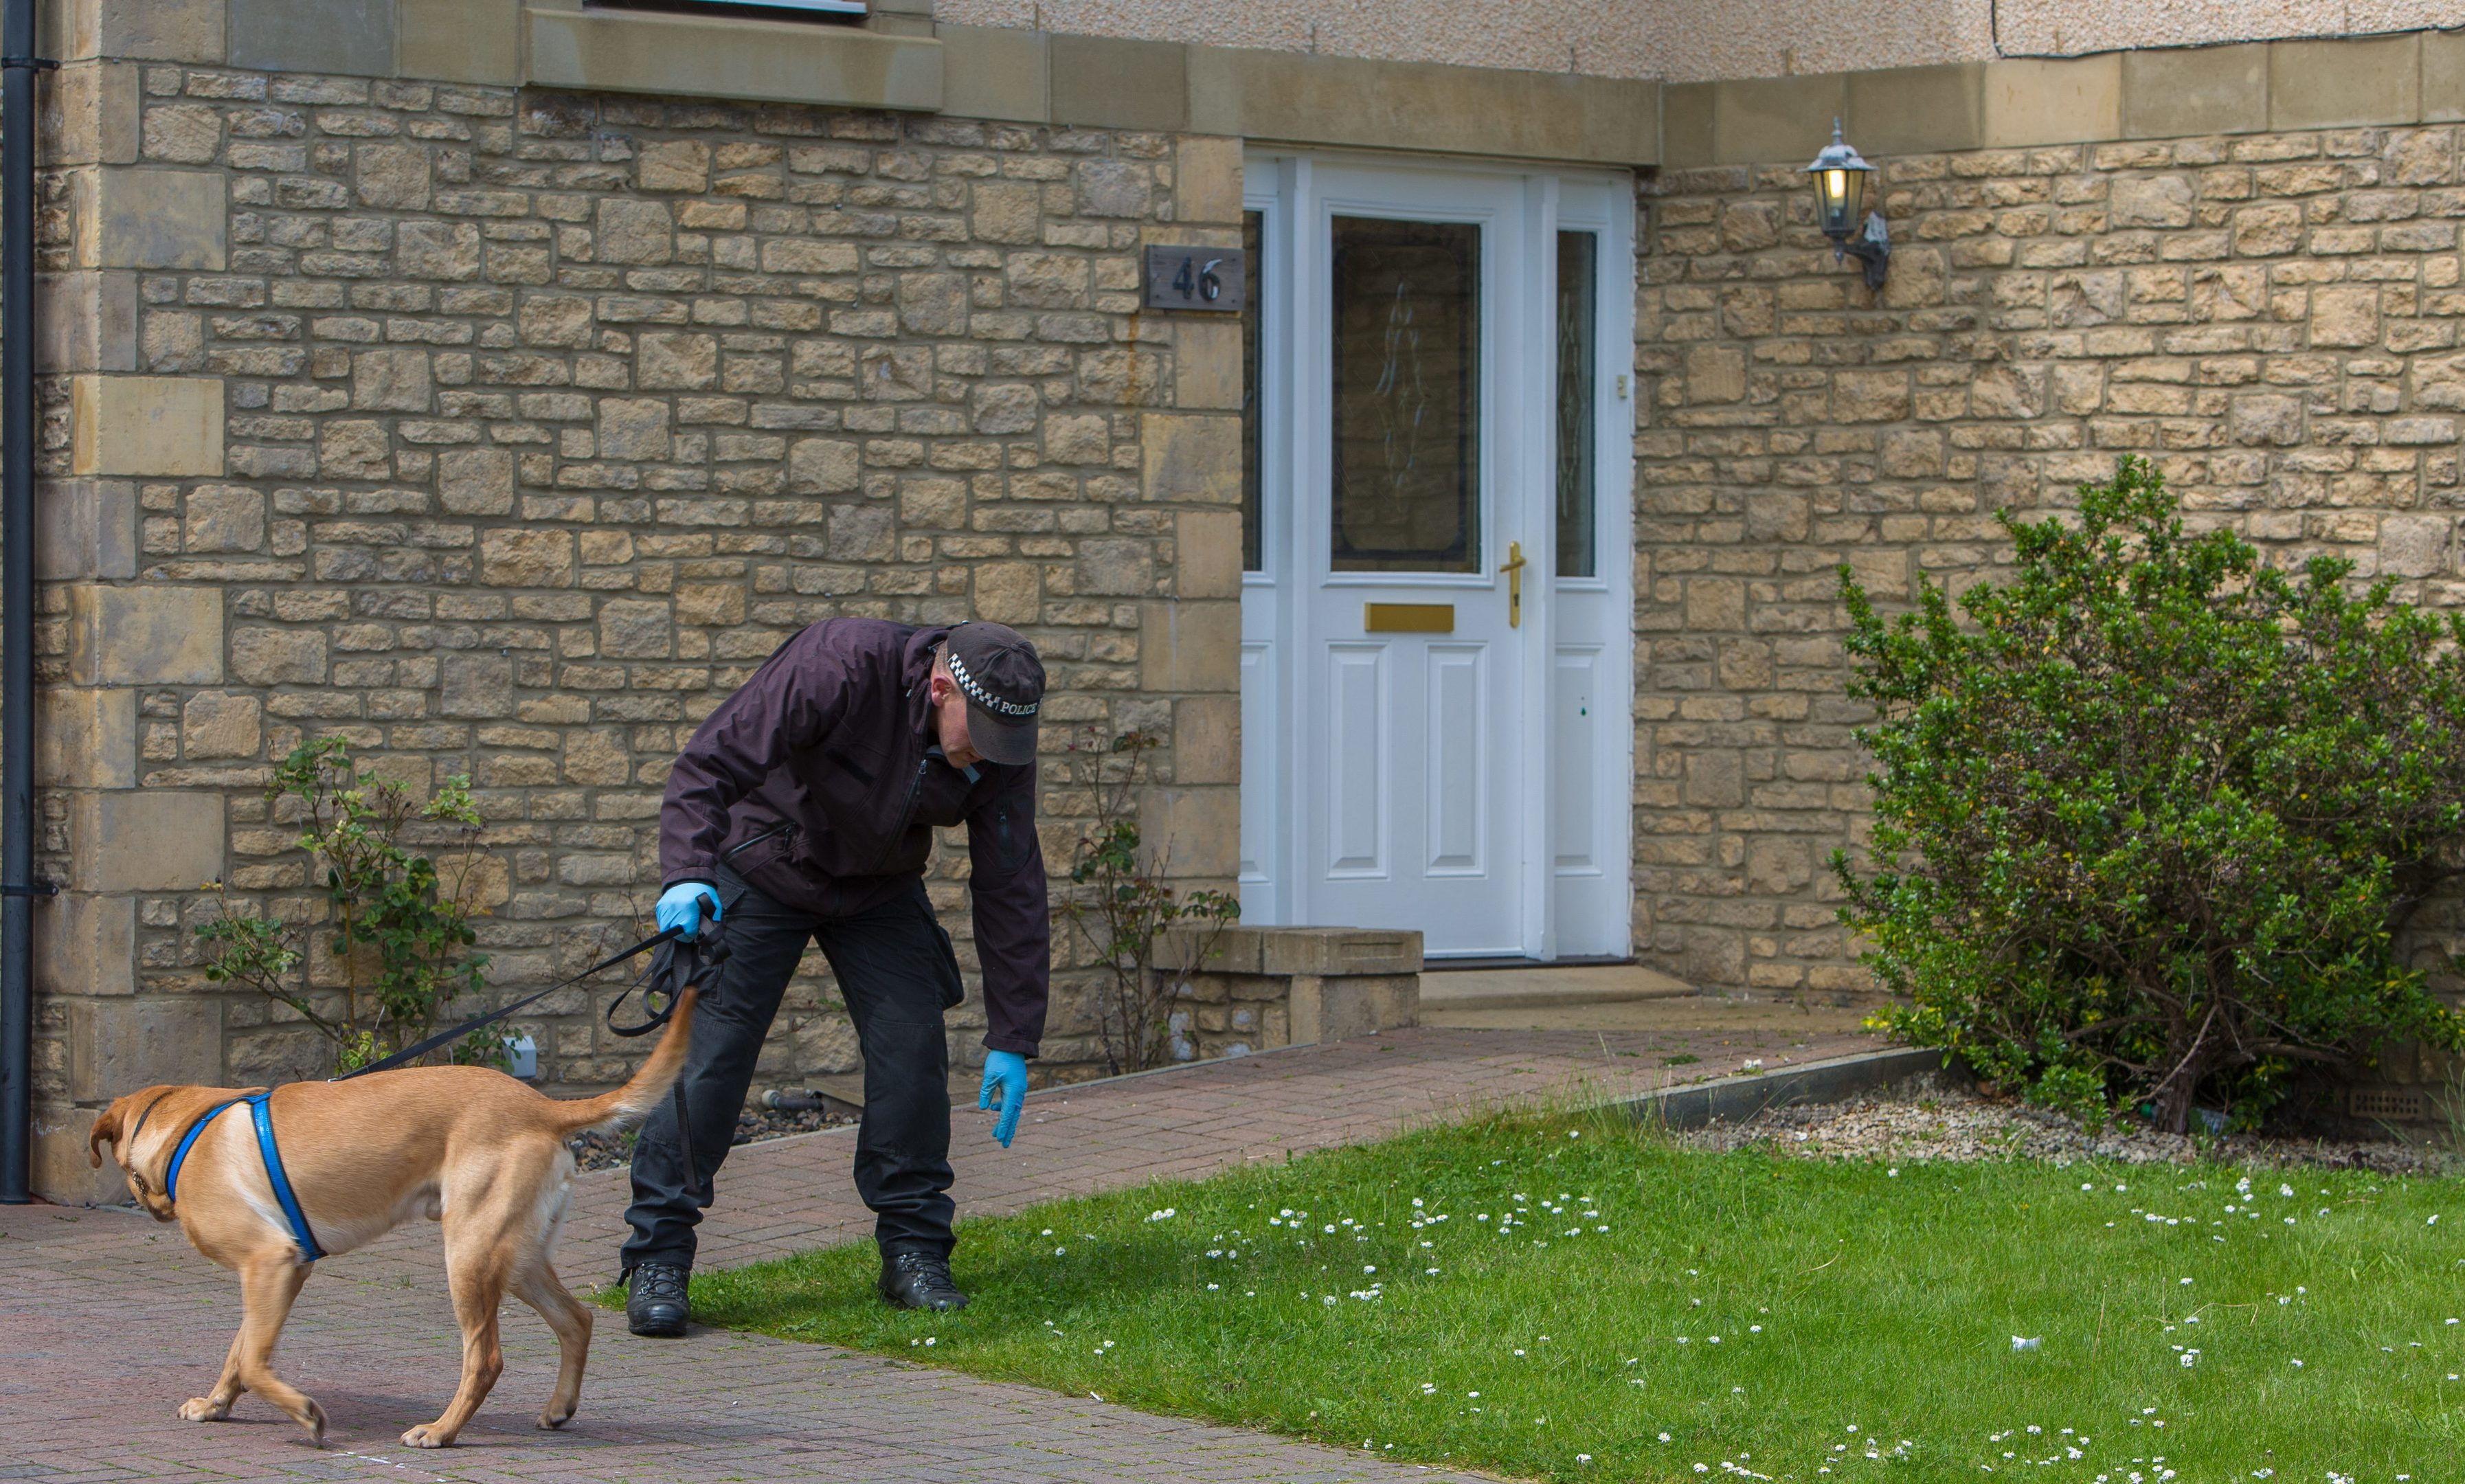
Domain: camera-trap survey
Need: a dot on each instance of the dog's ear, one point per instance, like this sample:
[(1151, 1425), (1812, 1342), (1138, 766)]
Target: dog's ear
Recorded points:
[(106, 1131)]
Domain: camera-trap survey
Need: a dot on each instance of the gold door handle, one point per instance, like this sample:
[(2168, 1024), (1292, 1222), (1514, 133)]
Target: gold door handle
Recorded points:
[(1514, 570)]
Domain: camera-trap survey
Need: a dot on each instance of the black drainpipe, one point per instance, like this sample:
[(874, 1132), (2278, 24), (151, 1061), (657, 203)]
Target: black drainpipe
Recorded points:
[(17, 69)]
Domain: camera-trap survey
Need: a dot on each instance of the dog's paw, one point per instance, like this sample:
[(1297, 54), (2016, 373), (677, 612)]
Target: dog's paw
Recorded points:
[(428, 1434), (204, 1409)]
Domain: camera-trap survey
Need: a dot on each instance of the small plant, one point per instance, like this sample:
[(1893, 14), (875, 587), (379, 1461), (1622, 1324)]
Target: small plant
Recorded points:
[(2146, 828), (401, 926), (1124, 909), (2451, 1108)]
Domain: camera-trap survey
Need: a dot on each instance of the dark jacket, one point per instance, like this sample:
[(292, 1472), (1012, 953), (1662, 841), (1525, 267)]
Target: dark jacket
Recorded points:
[(828, 740)]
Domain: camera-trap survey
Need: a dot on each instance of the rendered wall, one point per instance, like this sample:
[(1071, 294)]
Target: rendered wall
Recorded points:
[(1609, 38), (1701, 40), (2074, 27)]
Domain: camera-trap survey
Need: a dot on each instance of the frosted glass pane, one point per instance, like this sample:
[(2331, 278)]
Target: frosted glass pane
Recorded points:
[(1407, 415), (1578, 312), (1253, 488)]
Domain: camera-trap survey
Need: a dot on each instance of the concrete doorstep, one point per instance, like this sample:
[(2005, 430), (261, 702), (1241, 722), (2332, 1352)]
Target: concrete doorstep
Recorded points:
[(1447, 989)]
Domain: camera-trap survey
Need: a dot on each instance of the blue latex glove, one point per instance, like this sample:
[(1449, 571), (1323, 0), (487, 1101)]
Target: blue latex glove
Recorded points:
[(680, 907), (1005, 1074)]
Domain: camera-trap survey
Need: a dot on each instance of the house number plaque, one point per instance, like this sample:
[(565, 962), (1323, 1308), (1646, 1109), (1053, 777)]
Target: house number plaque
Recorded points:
[(1206, 279)]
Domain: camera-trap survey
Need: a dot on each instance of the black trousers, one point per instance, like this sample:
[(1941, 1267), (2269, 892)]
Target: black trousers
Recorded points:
[(897, 974)]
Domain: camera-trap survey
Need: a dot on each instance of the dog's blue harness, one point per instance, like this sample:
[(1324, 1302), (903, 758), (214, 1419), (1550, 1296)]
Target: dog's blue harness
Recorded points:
[(309, 1251)]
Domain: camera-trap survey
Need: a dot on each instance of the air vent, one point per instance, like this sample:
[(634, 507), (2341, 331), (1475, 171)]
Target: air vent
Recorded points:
[(2380, 1103)]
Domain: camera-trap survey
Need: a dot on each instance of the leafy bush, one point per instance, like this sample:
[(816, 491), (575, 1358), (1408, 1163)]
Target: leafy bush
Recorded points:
[(401, 926), (1124, 909), (2147, 826)]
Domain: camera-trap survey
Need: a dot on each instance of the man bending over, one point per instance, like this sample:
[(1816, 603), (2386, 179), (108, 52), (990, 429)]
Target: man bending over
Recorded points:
[(802, 810)]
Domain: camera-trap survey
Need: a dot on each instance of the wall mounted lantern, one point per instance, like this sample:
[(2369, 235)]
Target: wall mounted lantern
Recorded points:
[(1839, 192)]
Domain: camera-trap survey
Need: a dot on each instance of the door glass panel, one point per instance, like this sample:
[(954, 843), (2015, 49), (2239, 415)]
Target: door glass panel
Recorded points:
[(1407, 415), (1578, 303), (1253, 500)]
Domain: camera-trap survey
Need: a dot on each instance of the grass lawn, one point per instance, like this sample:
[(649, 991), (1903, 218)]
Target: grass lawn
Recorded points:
[(1565, 1297)]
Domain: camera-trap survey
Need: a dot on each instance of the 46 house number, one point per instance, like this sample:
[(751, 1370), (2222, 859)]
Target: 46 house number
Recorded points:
[(1206, 279)]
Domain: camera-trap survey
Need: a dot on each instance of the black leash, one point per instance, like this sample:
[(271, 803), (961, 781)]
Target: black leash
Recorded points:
[(680, 963), (701, 960), (685, 964)]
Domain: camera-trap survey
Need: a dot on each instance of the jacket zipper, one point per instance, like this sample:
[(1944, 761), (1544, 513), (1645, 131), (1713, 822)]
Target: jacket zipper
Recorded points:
[(915, 790), (734, 851)]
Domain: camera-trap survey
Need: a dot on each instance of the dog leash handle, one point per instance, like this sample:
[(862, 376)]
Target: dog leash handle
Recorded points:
[(685, 964), (411, 1053)]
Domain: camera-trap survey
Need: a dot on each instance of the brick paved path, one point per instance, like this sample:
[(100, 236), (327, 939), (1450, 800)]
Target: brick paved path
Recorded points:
[(108, 1322)]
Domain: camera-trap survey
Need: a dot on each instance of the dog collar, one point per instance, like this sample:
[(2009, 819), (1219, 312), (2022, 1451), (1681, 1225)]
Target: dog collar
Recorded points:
[(128, 1140), (150, 1112)]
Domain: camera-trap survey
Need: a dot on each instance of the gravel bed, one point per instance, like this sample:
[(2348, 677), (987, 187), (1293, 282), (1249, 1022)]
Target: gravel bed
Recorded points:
[(1912, 1125), (600, 1151), (1963, 1125)]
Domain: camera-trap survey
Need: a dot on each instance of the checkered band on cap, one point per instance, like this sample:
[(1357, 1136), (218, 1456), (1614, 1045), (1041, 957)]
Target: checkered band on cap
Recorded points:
[(975, 691)]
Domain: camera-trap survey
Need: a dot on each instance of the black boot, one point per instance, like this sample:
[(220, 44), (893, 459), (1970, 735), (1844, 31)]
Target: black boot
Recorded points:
[(655, 1299), (919, 1280)]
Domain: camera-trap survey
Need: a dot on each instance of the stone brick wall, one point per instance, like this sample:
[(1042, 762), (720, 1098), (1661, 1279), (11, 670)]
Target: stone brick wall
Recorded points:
[(2272, 318), (505, 433)]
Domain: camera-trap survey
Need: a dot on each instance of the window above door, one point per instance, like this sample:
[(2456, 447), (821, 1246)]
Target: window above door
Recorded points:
[(824, 7)]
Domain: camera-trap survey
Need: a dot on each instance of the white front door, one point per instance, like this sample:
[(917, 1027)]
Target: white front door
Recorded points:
[(1407, 694), (1414, 499)]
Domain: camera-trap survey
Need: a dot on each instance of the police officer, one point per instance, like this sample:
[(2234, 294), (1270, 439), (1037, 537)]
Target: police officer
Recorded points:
[(802, 810)]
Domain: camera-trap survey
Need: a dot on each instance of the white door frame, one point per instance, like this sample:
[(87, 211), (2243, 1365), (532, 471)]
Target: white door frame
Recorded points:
[(1590, 912), (1278, 655)]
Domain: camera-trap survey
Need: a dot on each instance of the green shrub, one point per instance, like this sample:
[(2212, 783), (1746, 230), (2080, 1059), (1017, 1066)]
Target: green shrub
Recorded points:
[(2146, 826), (401, 925), (1124, 911)]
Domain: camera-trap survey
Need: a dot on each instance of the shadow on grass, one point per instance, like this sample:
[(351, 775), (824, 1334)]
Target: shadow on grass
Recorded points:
[(831, 1290)]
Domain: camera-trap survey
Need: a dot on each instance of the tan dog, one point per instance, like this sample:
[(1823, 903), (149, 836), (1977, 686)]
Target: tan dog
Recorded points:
[(466, 1145)]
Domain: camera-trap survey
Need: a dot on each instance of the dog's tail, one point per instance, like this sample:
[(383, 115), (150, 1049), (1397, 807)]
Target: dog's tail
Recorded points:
[(638, 1097)]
